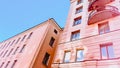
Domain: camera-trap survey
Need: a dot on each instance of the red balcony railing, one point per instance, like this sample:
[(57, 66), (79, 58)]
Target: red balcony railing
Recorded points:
[(106, 13)]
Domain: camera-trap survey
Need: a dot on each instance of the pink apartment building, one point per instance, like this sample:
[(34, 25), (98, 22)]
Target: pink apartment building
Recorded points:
[(90, 39), (33, 48)]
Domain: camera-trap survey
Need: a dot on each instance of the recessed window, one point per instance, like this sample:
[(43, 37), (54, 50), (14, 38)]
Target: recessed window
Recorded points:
[(10, 52), (75, 35), (52, 40), (18, 40), (2, 65), (7, 64), (1, 53), (15, 61), (23, 38), (79, 1), (77, 21), (103, 28), (80, 56), (5, 53), (4, 45), (55, 31), (22, 49), (46, 59), (8, 44), (67, 56), (30, 35), (12, 43), (78, 10), (107, 51), (15, 50)]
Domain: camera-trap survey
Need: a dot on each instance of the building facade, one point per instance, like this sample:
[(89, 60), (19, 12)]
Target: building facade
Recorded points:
[(90, 38), (33, 48)]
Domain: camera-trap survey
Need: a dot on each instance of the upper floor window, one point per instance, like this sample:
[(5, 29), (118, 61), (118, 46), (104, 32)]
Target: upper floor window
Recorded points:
[(107, 51), (52, 40), (78, 10), (79, 1), (18, 40), (15, 50), (75, 35), (80, 56), (103, 28), (67, 56), (23, 38), (10, 52), (77, 21), (22, 49), (8, 44), (12, 43), (46, 59), (15, 61), (2, 65), (30, 35), (7, 64), (55, 31), (5, 53)]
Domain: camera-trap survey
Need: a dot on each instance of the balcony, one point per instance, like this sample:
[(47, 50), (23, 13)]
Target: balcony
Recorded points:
[(103, 14), (94, 4)]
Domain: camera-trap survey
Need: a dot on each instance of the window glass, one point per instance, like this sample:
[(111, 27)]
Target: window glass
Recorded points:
[(79, 55), (67, 57)]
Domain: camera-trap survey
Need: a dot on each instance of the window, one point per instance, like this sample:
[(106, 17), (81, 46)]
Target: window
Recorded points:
[(23, 38), (46, 59), (79, 55), (10, 52), (8, 44), (78, 10), (5, 53), (107, 51), (75, 35), (79, 1), (22, 49), (15, 50), (7, 64), (67, 57), (13, 63), (2, 65), (51, 41), (30, 35), (103, 28), (55, 31), (1, 53), (4, 45), (77, 21), (12, 42), (18, 40)]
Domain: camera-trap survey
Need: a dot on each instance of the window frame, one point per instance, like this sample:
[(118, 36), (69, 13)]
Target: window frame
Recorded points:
[(65, 56), (77, 54), (77, 21), (44, 61), (106, 28), (52, 41), (79, 1), (106, 45), (75, 33), (79, 10)]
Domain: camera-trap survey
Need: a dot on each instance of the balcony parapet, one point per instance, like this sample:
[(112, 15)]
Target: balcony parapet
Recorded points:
[(106, 13), (94, 4)]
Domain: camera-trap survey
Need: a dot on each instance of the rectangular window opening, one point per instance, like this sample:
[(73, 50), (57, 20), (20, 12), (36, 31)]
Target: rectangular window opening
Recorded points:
[(46, 59)]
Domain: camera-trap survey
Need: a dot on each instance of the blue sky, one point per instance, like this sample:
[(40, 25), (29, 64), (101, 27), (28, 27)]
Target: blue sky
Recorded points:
[(19, 15)]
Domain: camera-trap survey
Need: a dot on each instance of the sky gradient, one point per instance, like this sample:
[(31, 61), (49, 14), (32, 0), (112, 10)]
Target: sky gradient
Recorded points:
[(18, 15)]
